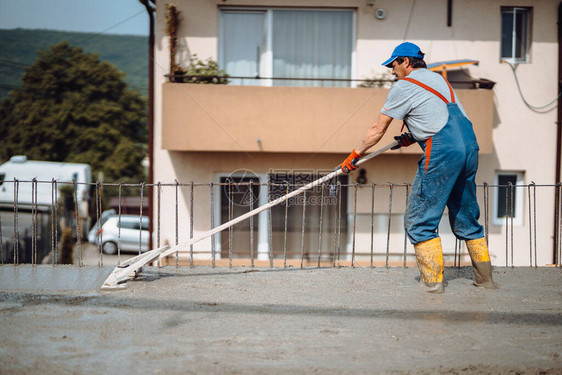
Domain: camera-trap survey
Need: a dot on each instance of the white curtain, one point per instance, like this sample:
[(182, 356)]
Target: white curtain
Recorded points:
[(242, 45), (312, 44)]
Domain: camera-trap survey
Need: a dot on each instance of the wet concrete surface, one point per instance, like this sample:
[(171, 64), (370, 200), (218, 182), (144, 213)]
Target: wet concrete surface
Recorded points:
[(233, 321)]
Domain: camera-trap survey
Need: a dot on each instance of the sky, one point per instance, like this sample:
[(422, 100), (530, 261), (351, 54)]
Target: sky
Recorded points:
[(126, 17)]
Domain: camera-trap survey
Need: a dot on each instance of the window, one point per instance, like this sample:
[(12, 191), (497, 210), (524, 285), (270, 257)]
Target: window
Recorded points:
[(515, 34), (283, 43), (2, 177), (127, 224), (508, 197)]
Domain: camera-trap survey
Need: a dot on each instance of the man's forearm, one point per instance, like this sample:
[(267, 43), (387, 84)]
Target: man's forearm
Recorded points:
[(374, 134)]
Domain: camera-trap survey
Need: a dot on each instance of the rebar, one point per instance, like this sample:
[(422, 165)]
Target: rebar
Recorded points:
[(212, 204), (140, 217), (321, 223), (190, 223), (372, 222), (78, 230), (455, 254), (177, 222), (512, 191), (335, 194), (56, 211), (34, 221), (530, 229), (559, 225), (158, 214), (1, 243), (339, 222), (53, 250), (285, 231), (405, 229), (16, 229), (269, 227), (354, 224), (119, 226), (302, 227), (535, 219), (98, 215), (230, 229), (506, 226), (251, 224), (389, 223), (486, 210)]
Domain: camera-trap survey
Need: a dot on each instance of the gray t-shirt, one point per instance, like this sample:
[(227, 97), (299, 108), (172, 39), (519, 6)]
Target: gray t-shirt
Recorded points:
[(423, 111)]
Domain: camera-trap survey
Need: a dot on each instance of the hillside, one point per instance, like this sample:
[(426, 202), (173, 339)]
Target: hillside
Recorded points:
[(20, 46)]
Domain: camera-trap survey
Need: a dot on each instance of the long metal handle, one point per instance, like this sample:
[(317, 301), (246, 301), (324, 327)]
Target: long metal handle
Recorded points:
[(185, 246)]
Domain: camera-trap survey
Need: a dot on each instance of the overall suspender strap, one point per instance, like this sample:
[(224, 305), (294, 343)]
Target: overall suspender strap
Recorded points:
[(423, 85), (451, 90), (429, 141)]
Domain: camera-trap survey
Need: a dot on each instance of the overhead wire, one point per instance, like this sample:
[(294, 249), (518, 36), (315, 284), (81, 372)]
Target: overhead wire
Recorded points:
[(110, 27), (539, 109), (409, 19)]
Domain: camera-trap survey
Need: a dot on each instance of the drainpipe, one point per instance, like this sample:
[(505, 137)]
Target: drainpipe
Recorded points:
[(558, 140), (150, 10)]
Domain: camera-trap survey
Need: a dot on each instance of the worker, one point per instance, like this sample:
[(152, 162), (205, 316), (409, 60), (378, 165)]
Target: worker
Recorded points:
[(435, 119)]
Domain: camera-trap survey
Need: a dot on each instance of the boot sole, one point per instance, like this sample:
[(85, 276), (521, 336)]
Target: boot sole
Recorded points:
[(486, 285)]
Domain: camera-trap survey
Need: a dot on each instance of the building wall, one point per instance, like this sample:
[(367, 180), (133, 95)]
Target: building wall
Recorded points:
[(523, 140)]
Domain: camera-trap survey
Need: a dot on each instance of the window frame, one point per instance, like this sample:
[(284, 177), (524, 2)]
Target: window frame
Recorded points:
[(527, 43), (265, 61), (518, 201)]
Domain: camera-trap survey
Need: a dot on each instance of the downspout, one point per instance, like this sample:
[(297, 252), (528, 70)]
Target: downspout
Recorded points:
[(558, 142), (150, 10), (449, 13)]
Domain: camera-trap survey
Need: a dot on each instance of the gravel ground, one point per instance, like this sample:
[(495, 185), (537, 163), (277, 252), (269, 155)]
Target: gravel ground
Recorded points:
[(240, 320)]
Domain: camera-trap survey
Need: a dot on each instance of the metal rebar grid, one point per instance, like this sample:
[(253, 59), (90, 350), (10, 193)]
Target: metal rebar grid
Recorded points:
[(340, 228)]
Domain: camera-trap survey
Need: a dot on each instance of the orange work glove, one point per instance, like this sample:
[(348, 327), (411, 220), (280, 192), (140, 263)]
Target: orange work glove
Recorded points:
[(349, 163)]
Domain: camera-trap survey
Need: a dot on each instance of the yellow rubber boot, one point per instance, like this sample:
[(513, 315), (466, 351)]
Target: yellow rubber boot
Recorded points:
[(430, 263), (480, 257)]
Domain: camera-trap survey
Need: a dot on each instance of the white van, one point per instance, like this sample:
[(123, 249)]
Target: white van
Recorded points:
[(18, 167)]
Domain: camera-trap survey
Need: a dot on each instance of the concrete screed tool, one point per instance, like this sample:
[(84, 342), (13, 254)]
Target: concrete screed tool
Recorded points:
[(128, 269)]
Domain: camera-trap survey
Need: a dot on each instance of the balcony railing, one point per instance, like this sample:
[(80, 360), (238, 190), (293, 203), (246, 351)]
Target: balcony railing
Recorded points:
[(480, 83)]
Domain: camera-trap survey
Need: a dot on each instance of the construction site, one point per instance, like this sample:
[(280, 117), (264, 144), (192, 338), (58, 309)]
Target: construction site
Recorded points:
[(255, 246), (330, 308)]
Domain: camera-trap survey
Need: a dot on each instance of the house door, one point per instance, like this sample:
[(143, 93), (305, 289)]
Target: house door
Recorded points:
[(239, 195), (314, 224)]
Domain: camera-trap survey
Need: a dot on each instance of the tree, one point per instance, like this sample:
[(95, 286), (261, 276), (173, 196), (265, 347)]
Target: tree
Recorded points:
[(72, 107)]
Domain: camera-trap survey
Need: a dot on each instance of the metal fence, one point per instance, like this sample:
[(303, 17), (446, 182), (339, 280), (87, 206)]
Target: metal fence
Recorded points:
[(338, 224)]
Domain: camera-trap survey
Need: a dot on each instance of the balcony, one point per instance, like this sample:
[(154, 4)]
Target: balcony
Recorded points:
[(232, 118)]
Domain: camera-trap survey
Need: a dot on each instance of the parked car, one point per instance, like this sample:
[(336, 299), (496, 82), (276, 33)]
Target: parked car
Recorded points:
[(132, 230)]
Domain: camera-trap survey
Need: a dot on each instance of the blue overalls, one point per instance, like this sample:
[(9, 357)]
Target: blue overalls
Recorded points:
[(446, 177)]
